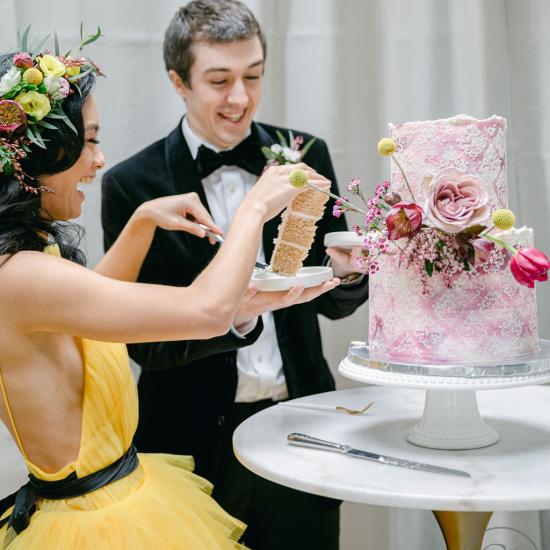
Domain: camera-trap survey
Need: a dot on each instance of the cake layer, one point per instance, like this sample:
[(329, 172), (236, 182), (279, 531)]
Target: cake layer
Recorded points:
[(287, 259), (470, 146), (298, 230), (486, 315), (310, 202)]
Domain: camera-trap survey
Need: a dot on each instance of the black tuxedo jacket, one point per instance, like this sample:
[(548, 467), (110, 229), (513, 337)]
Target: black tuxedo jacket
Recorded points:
[(186, 387)]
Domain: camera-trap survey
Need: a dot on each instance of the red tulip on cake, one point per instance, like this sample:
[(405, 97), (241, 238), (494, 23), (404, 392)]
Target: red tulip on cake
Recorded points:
[(530, 265)]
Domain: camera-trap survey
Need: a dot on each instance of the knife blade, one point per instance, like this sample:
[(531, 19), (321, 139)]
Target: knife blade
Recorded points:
[(316, 443)]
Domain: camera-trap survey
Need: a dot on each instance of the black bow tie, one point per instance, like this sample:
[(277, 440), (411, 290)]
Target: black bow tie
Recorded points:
[(247, 155)]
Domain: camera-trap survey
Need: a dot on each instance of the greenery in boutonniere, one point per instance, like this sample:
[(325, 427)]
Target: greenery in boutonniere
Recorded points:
[(286, 152)]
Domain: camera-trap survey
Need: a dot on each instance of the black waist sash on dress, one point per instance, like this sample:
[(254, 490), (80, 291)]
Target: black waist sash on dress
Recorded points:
[(23, 500)]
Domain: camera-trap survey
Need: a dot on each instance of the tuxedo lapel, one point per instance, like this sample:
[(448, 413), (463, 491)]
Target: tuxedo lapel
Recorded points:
[(183, 173), (185, 178)]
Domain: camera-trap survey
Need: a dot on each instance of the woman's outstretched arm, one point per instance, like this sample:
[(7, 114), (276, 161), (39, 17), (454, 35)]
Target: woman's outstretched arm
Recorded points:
[(48, 294), (124, 259)]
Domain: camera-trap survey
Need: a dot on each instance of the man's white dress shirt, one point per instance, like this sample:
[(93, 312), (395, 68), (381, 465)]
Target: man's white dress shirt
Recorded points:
[(260, 365)]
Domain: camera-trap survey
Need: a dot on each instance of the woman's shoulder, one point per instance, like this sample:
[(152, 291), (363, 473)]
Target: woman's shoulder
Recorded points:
[(30, 269)]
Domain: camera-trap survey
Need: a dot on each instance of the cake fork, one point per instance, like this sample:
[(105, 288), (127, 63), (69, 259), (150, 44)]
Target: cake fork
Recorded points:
[(339, 408)]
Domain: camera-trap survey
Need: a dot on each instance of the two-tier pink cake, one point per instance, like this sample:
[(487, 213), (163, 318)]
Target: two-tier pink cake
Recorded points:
[(486, 315)]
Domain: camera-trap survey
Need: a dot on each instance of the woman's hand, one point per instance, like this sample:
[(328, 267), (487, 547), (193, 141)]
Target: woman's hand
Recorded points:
[(273, 191), (178, 213)]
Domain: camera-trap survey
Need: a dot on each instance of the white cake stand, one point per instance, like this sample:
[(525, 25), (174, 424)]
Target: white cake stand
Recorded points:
[(451, 418)]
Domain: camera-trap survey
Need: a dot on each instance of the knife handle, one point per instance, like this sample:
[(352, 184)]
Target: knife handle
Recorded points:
[(308, 441)]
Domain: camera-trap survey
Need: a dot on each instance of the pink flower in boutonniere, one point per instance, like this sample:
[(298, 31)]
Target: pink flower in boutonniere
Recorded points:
[(456, 201)]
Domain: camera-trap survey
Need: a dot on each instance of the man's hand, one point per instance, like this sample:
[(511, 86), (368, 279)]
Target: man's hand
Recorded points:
[(344, 262), (254, 302)]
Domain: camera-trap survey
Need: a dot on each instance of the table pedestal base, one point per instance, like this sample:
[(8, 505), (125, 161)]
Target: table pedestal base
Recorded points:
[(463, 530), (451, 420)]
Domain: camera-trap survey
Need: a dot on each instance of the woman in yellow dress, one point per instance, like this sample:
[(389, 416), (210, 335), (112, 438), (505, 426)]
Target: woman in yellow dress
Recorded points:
[(67, 393)]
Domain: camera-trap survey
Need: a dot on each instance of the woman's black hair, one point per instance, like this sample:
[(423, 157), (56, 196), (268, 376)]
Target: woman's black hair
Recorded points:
[(23, 224)]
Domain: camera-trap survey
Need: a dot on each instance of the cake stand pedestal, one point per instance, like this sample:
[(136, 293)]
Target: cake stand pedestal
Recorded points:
[(451, 418)]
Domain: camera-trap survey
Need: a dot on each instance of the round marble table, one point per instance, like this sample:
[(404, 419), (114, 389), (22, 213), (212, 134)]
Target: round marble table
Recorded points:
[(511, 475)]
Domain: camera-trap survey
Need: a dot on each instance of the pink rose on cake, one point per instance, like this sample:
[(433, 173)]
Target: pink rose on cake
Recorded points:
[(456, 201)]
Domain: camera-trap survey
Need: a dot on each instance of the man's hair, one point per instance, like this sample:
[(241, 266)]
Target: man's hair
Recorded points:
[(210, 21)]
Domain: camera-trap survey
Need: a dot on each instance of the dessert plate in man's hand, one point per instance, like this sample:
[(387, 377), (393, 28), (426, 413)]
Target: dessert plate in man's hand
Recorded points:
[(343, 239), (265, 280)]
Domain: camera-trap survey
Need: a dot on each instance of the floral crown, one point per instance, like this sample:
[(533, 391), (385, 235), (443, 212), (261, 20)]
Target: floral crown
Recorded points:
[(31, 93)]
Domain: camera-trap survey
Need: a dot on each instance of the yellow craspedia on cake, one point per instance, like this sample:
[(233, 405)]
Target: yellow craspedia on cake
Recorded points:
[(503, 219), (33, 76), (298, 178), (386, 147)]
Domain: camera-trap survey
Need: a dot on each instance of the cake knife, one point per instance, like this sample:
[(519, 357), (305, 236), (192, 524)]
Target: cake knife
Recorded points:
[(219, 239), (315, 443)]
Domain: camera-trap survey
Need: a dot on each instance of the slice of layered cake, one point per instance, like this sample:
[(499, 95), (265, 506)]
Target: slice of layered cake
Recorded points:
[(297, 231)]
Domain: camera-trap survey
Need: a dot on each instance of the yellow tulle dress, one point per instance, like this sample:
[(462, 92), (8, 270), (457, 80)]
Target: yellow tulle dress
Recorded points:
[(161, 505)]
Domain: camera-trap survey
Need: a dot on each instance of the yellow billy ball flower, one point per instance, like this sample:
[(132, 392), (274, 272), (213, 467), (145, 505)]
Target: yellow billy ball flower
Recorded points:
[(33, 76), (51, 66), (503, 219), (386, 146), (34, 104), (298, 178)]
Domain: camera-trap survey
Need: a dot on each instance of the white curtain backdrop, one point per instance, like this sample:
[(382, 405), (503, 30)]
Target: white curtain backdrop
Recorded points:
[(340, 69)]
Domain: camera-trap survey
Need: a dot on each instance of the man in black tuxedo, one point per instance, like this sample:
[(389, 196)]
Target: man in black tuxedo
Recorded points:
[(193, 394)]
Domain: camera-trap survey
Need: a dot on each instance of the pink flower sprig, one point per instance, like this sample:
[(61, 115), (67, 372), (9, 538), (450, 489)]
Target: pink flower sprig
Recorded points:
[(377, 208), (340, 206)]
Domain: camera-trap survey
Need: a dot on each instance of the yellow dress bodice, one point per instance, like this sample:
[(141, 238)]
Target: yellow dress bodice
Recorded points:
[(109, 411), (160, 505)]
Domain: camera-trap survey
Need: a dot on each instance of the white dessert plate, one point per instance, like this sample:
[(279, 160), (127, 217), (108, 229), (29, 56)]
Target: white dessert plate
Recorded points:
[(343, 239), (307, 277)]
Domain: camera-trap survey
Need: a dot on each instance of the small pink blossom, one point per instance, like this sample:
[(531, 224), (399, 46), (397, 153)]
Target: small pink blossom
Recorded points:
[(456, 201), (297, 143), (64, 87), (337, 210), (354, 184)]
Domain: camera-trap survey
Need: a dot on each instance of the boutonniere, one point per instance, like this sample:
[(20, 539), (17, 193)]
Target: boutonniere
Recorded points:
[(286, 152)]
